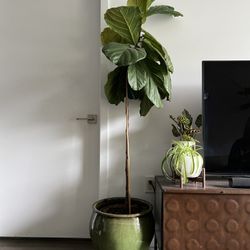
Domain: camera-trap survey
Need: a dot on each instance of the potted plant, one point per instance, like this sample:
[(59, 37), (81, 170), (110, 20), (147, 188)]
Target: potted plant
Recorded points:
[(142, 72), (183, 159)]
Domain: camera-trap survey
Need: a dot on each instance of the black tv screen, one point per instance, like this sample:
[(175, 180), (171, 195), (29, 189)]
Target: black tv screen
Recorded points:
[(226, 116)]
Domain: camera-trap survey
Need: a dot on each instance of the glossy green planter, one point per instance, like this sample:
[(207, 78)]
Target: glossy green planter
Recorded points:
[(121, 232)]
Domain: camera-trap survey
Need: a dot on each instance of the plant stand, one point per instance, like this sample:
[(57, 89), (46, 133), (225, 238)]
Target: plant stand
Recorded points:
[(201, 179)]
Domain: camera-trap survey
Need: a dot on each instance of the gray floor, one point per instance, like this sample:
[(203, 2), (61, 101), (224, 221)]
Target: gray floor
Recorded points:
[(44, 244)]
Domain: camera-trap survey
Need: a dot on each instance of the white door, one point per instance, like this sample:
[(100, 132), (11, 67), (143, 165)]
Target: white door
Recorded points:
[(49, 76)]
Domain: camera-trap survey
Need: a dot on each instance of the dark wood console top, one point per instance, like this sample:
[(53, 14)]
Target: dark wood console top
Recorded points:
[(212, 187)]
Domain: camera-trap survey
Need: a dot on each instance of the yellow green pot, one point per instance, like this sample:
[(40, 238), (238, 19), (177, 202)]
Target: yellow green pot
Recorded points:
[(111, 231)]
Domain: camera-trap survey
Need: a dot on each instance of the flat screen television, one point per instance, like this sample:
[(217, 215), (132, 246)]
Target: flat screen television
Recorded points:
[(226, 117)]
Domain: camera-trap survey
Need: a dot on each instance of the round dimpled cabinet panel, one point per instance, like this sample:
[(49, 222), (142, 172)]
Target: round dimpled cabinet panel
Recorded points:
[(232, 226), (172, 205), (212, 206), (193, 244), (172, 225), (247, 226), (213, 244), (192, 206), (212, 225), (232, 206), (247, 207), (173, 244), (192, 226), (233, 244)]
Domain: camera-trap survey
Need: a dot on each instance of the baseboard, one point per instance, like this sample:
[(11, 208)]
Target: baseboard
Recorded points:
[(42, 238)]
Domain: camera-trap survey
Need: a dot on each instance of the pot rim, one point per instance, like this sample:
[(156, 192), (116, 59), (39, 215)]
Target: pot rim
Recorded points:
[(150, 208)]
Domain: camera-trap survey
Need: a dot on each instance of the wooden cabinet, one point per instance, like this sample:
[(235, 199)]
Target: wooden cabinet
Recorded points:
[(193, 218)]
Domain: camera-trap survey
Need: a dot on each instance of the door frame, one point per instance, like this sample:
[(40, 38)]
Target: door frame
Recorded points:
[(104, 119)]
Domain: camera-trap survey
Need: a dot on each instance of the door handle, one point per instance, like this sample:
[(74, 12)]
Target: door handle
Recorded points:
[(91, 119)]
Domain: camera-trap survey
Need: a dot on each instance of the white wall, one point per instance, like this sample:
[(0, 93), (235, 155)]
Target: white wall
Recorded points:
[(210, 29)]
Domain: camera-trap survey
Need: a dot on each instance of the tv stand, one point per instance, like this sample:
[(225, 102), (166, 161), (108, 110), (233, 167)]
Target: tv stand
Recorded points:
[(191, 218)]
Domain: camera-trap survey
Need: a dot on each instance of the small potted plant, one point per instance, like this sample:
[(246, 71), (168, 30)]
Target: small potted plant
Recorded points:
[(143, 72), (183, 159)]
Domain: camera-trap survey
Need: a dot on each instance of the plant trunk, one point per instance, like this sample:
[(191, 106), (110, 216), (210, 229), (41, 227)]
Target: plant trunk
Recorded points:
[(127, 162)]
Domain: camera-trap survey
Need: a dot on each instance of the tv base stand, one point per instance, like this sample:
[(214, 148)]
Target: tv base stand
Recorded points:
[(239, 182), (194, 218)]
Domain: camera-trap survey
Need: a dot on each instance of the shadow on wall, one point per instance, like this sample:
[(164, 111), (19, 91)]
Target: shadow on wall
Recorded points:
[(44, 203), (58, 219)]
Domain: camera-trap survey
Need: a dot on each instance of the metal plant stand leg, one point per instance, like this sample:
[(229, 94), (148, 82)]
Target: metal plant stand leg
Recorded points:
[(181, 182), (204, 178)]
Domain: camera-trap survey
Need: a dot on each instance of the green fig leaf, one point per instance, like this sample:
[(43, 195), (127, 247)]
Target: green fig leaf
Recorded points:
[(163, 9), (115, 85), (123, 54), (157, 48), (143, 6), (137, 76), (126, 21), (145, 106), (108, 36), (153, 80)]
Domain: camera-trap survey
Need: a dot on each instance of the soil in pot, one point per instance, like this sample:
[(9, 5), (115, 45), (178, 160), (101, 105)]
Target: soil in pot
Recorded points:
[(119, 206)]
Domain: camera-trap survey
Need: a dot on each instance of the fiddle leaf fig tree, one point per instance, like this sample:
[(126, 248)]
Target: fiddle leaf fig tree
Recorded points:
[(143, 66)]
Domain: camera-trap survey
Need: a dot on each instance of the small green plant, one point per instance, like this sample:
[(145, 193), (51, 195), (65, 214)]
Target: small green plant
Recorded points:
[(182, 160), (183, 126)]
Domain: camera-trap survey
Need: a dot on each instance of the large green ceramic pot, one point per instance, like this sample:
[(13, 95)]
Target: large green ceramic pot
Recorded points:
[(121, 231)]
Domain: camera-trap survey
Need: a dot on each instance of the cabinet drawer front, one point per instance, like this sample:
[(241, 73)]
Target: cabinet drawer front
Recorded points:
[(206, 221)]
